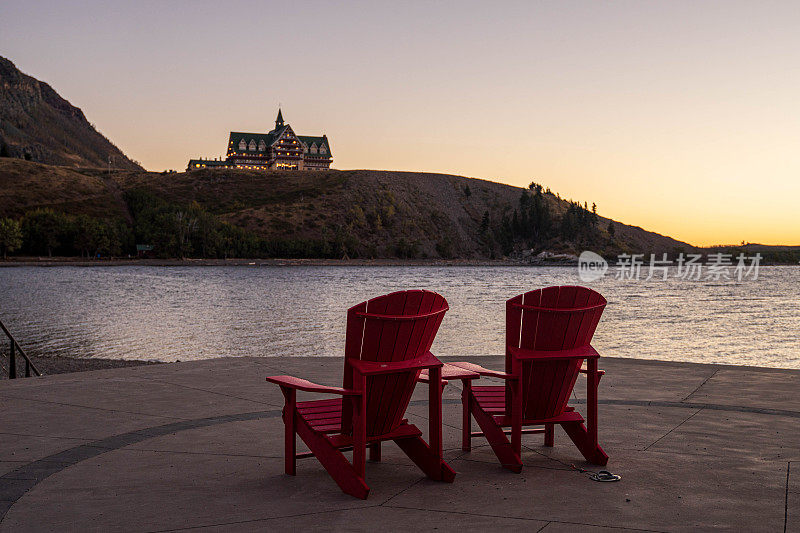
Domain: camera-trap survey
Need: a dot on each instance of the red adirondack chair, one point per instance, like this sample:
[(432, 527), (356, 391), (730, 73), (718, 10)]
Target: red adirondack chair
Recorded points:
[(548, 332), (387, 345)]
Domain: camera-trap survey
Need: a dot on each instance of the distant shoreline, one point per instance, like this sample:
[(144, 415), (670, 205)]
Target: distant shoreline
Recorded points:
[(52, 365), (271, 262), (67, 261)]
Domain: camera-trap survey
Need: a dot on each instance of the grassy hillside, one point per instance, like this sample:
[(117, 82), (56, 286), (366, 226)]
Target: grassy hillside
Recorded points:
[(362, 213), (25, 186), (440, 215)]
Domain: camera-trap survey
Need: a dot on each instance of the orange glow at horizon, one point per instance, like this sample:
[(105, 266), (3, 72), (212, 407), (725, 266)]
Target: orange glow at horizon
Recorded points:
[(679, 117)]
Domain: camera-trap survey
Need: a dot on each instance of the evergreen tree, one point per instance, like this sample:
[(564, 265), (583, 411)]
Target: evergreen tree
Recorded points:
[(516, 227), (10, 236), (485, 222)]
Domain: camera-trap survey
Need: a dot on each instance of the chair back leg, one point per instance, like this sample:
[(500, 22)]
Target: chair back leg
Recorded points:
[(502, 448), (426, 459), (345, 474), (585, 436), (591, 451)]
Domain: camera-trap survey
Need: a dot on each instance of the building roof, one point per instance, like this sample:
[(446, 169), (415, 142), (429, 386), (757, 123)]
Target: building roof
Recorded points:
[(308, 141), (277, 132), (270, 138), (236, 136)]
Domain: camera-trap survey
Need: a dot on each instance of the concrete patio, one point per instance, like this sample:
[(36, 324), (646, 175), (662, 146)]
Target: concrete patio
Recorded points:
[(199, 445)]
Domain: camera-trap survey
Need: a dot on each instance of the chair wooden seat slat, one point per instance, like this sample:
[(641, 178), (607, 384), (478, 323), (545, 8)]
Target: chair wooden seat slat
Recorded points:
[(322, 415), (320, 405), (387, 346), (320, 422), (319, 410), (491, 390), (495, 403), (332, 428), (548, 335)]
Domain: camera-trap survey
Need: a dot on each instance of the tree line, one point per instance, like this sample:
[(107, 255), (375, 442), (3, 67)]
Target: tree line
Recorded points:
[(48, 232), (174, 231), (537, 221), (534, 224)]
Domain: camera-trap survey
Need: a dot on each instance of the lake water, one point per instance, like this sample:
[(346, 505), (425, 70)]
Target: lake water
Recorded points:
[(187, 313)]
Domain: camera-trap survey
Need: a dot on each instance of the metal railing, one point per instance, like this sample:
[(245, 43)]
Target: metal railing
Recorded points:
[(30, 368)]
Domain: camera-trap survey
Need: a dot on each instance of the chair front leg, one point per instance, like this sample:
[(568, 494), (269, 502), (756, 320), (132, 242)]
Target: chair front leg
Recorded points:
[(549, 435), (435, 406), (290, 442), (592, 381), (516, 408), (360, 431), (516, 417), (466, 421), (375, 452)]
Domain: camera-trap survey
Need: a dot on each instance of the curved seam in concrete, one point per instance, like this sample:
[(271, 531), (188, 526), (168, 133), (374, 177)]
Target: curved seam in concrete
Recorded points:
[(17, 482), (14, 484)]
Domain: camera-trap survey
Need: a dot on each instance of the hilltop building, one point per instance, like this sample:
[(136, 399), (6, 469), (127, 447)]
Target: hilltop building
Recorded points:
[(279, 149)]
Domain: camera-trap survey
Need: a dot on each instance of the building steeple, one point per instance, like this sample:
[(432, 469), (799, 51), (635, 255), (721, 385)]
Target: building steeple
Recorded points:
[(279, 120)]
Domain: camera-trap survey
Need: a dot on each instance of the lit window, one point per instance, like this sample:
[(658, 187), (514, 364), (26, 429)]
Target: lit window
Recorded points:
[(252, 145)]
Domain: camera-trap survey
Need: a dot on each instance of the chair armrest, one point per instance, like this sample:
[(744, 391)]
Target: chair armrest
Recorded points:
[(478, 369), (584, 370), (424, 377), (371, 368), (291, 382), (451, 372), (584, 352)]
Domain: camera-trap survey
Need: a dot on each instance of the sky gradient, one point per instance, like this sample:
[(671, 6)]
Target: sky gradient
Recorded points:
[(680, 117)]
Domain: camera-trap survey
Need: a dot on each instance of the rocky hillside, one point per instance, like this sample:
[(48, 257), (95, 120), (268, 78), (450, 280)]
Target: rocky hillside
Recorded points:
[(360, 213), (36, 124)]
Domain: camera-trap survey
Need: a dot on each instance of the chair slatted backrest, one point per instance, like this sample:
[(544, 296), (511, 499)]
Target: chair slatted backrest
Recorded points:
[(399, 326), (553, 318)]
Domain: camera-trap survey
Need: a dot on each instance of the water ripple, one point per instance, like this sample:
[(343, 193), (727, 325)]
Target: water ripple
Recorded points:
[(178, 313)]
